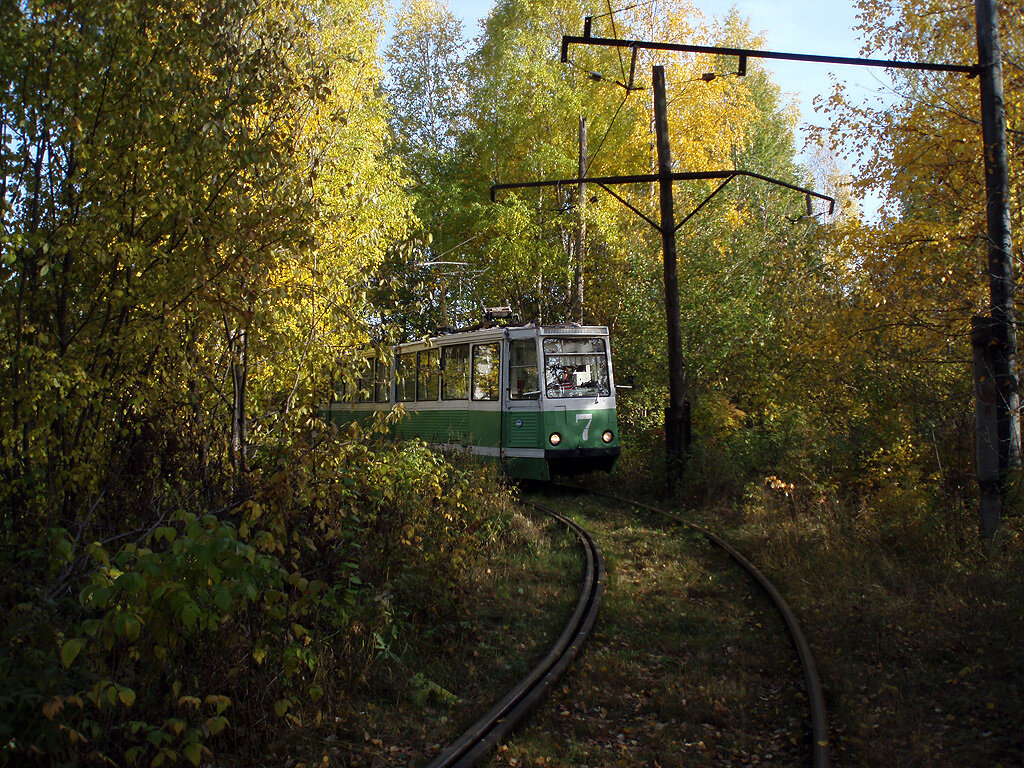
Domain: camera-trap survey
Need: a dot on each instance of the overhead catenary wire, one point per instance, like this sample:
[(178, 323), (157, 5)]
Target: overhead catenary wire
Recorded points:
[(608, 130), (596, 77)]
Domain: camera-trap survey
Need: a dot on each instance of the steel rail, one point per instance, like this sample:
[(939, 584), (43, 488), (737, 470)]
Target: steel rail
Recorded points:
[(815, 695), (481, 737)]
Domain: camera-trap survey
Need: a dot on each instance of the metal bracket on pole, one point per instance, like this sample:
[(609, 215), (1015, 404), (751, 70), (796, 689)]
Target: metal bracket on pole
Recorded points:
[(632, 73), (648, 178)]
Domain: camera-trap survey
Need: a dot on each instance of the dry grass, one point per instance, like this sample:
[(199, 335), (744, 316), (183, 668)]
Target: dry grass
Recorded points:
[(916, 626)]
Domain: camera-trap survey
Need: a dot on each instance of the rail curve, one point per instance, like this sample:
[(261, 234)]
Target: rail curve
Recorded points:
[(481, 737), (478, 740), (816, 699)]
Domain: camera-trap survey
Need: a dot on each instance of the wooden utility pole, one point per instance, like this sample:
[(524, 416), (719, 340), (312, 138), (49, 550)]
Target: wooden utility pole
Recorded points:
[(996, 338), (986, 428), (581, 228), (675, 431)]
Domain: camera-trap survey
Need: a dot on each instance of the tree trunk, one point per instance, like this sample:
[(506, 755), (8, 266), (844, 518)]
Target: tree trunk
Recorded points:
[(239, 378)]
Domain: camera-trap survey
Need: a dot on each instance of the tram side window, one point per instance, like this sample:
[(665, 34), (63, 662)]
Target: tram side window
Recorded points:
[(522, 370), (455, 372), (380, 381), (427, 380), (485, 372), (364, 389), (405, 377)]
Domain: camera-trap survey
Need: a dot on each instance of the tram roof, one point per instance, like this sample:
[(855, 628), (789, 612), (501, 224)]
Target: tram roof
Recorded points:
[(497, 333)]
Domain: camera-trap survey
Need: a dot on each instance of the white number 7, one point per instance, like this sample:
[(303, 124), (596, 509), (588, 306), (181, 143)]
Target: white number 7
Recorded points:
[(587, 417)]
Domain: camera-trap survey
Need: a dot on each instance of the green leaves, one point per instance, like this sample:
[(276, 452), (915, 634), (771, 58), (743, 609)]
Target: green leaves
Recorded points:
[(219, 703), (194, 751), (70, 650), (179, 204), (216, 724), (127, 625), (98, 553), (189, 615)]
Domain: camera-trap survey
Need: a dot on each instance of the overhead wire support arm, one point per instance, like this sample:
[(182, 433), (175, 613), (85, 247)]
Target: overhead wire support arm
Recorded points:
[(631, 207), (637, 178), (648, 178), (971, 70)]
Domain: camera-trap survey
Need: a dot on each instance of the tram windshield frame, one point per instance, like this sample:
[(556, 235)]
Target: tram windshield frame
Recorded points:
[(576, 367)]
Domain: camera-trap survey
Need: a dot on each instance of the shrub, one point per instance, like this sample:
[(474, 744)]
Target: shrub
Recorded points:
[(188, 641)]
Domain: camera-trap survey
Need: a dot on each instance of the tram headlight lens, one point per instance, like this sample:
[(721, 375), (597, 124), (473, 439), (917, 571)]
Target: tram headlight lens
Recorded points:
[(607, 436), (555, 438)]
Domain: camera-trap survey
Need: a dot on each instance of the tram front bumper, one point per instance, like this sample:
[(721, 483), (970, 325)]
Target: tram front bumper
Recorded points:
[(574, 461)]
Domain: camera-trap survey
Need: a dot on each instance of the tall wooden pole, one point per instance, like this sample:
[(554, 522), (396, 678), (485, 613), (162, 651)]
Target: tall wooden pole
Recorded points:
[(581, 228), (1002, 342), (674, 414), (986, 428)]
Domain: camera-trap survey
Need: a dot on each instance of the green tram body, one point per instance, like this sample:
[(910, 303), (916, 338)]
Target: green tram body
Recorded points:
[(541, 399)]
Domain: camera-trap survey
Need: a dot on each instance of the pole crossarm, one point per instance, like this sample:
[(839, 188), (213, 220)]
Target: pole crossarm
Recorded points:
[(648, 178), (631, 207), (971, 70), (708, 199)]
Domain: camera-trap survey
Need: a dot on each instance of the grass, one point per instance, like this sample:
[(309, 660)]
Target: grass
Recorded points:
[(687, 665), (450, 673), (915, 627)]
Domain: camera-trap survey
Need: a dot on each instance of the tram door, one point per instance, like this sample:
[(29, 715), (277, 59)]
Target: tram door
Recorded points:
[(521, 400)]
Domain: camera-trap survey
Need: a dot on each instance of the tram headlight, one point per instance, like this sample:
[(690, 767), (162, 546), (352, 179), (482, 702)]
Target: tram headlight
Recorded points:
[(555, 438), (607, 436)]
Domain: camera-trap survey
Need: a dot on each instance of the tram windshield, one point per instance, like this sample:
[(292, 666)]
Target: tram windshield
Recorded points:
[(576, 368)]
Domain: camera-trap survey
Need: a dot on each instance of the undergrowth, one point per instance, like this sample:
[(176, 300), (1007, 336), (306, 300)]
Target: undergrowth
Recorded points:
[(913, 619), (191, 635)]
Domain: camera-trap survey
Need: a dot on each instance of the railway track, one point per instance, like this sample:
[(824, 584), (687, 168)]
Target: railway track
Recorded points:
[(470, 748), (812, 682), (481, 737)]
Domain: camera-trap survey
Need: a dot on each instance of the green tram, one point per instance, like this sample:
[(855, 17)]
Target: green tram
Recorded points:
[(539, 398)]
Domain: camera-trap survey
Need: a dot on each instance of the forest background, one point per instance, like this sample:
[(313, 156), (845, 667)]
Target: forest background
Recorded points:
[(211, 208)]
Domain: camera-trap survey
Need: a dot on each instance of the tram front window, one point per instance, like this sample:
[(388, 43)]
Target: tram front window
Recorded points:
[(576, 368)]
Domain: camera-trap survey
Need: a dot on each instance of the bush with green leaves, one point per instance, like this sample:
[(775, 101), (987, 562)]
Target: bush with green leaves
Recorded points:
[(184, 644)]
